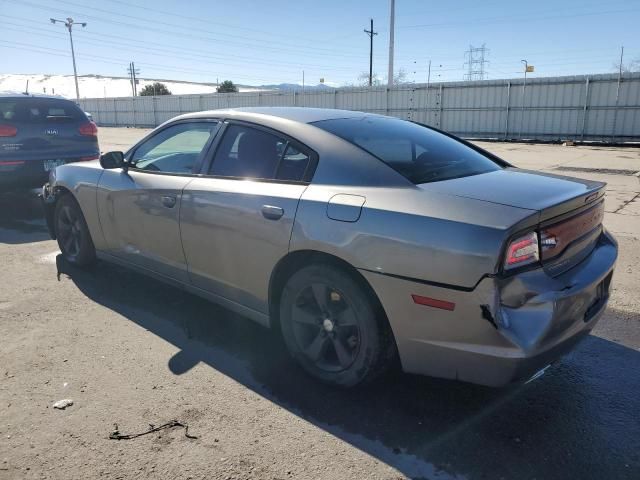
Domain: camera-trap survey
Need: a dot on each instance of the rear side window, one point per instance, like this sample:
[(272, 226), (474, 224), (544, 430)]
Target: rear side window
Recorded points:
[(416, 152), (247, 152), (8, 110)]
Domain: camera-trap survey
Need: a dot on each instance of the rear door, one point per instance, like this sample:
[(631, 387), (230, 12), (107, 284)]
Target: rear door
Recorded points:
[(236, 220), (139, 209)]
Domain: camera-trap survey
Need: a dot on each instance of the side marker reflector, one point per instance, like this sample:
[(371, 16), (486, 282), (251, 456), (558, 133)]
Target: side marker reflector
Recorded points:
[(433, 302)]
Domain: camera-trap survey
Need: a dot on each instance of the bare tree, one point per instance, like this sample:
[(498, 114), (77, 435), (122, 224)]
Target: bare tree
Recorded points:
[(399, 78), (363, 80), (629, 67)]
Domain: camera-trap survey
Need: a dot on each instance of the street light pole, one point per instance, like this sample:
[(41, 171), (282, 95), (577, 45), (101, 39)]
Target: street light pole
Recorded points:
[(524, 86), (392, 21), (69, 23)]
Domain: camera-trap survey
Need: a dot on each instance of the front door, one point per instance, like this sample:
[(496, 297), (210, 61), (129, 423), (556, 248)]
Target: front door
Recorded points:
[(236, 221), (140, 209)]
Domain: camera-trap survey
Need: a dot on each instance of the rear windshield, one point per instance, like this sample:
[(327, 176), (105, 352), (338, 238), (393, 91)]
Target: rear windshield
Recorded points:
[(39, 110), (418, 153)]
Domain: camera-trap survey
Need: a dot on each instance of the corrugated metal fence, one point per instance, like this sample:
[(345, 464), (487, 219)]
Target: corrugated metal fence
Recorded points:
[(595, 107)]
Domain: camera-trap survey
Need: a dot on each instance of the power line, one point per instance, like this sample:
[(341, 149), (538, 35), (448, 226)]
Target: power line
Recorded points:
[(182, 54), (256, 43), (511, 18)]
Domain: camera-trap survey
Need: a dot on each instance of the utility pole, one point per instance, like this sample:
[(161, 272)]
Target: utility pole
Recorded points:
[(392, 21), (524, 88), (133, 71), (69, 23), (429, 74), (615, 115), (371, 33), (303, 102)]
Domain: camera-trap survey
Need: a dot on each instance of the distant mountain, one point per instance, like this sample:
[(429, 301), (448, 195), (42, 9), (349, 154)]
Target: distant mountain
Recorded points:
[(295, 87), (98, 86)]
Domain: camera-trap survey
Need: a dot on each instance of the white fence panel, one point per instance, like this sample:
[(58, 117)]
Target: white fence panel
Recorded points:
[(594, 107)]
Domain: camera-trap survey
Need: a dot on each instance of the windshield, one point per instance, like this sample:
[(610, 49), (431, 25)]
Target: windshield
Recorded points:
[(418, 153)]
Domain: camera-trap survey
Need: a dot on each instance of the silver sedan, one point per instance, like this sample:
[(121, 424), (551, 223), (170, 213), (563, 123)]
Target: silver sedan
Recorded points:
[(363, 239)]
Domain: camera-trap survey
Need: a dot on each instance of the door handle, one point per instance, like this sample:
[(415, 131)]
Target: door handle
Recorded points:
[(271, 212), (169, 201)]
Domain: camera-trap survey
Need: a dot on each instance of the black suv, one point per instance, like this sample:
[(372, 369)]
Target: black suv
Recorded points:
[(38, 133)]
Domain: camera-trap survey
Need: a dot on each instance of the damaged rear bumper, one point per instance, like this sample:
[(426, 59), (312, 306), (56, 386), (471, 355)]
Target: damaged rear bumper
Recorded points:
[(503, 330)]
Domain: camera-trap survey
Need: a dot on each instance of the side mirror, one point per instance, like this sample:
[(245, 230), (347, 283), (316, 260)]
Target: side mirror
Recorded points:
[(111, 160)]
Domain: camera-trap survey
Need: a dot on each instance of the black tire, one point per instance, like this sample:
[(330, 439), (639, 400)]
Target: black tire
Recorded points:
[(344, 342), (72, 232)]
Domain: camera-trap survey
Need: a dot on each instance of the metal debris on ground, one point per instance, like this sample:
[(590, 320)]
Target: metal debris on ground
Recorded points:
[(116, 435), (62, 404)]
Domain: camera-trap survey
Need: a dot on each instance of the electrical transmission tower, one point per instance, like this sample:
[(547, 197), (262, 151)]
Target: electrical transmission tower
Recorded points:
[(476, 61)]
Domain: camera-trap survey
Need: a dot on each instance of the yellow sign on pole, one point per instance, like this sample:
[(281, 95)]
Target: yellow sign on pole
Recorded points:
[(530, 68)]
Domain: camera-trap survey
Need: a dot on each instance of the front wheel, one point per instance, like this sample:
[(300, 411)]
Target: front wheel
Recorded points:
[(72, 232), (333, 328)]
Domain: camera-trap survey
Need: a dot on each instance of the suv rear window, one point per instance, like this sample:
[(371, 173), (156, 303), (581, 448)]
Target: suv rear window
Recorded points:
[(46, 110), (418, 153), (39, 110)]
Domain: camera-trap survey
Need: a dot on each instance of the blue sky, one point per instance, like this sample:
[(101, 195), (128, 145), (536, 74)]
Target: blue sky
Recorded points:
[(261, 42)]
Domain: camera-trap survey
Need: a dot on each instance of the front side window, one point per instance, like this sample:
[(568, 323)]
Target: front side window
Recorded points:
[(247, 152), (416, 152), (175, 149)]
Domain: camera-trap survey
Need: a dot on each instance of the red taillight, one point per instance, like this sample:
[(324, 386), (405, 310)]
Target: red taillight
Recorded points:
[(8, 131), (522, 251), (89, 129), (86, 159), (11, 162)]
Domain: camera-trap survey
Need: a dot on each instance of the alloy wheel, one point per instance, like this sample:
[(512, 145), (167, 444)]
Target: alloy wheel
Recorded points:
[(326, 327), (69, 231)]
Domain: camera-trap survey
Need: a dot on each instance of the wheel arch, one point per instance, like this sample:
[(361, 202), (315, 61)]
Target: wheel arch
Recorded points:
[(294, 261), (49, 204)]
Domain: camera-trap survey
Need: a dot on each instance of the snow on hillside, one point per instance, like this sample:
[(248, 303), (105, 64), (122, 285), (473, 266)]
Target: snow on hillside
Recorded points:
[(95, 86)]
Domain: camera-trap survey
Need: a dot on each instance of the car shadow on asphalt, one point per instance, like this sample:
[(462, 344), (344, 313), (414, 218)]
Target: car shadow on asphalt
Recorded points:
[(578, 420), (21, 219)]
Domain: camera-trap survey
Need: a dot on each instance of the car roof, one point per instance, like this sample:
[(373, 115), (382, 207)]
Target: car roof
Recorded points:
[(295, 114), (32, 95)]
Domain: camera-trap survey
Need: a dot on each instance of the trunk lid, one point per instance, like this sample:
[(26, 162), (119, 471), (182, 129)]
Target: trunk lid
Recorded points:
[(550, 195), (570, 210)]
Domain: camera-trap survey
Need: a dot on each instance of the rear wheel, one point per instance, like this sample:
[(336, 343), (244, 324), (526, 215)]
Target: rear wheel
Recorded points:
[(332, 327), (72, 232)]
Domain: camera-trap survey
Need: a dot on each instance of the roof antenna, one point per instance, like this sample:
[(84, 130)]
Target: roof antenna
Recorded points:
[(26, 92)]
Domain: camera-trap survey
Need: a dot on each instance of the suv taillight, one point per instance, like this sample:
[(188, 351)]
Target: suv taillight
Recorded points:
[(521, 251), (8, 131), (89, 129)]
